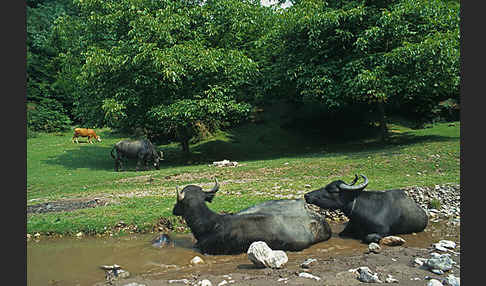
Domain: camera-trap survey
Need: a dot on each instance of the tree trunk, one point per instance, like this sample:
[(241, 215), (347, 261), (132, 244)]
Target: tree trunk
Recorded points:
[(185, 145), (382, 122)]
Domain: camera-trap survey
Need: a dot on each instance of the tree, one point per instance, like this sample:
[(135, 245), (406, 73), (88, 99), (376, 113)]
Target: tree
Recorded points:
[(155, 65), (395, 54)]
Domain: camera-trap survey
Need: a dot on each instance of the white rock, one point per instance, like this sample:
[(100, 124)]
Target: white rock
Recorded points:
[(308, 262), (434, 282), (451, 280), (374, 247), (123, 273), (79, 234), (390, 279), (308, 275), (204, 282), (420, 261), (225, 163), (224, 282), (446, 244), (442, 262), (262, 255), (365, 275), (196, 260), (184, 281)]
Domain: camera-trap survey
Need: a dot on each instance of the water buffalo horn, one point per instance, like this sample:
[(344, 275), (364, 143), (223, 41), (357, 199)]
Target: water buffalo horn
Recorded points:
[(215, 187), (359, 187), (356, 178), (180, 195)]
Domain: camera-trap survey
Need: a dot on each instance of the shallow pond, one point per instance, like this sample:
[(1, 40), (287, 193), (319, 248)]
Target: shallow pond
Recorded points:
[(73, 261)]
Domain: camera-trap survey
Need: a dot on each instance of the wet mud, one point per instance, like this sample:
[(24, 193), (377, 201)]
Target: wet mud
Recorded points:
[(73, 261)]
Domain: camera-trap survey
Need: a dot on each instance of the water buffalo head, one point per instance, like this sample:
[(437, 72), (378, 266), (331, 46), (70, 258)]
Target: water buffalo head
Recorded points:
[(193, 196), (336, 194), (158, 156)]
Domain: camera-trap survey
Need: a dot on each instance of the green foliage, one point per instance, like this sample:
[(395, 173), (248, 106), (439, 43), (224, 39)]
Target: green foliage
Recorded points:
[(146, 63), (403, 53), (47, 116)]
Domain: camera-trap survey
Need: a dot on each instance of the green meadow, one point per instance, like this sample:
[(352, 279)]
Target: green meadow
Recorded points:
[(273, 162)]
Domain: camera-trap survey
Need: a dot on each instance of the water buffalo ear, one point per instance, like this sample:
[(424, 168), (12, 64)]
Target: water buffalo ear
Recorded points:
[(209, 197)]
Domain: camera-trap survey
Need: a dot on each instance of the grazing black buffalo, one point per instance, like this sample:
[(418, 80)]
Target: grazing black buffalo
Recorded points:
[(142, 150), (282, 224), (372, 214)]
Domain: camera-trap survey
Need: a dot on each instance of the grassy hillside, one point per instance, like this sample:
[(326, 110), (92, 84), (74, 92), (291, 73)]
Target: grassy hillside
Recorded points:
[(273, 162)]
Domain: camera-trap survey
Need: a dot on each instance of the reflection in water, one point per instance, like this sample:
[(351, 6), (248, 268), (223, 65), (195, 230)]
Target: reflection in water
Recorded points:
[(71, 261)]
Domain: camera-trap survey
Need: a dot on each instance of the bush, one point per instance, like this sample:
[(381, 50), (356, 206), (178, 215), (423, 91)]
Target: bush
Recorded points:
[(46, 116)]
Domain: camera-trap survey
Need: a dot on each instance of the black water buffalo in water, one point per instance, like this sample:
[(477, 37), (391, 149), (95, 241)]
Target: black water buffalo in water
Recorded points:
[(372, 214), (282, 224), (143, 150)]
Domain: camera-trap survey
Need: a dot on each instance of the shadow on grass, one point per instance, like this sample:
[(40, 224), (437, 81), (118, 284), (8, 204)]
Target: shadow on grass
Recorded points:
[(250, 144)]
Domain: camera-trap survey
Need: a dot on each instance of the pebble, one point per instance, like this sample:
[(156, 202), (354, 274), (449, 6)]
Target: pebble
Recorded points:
[(367, 276), (442, 262), (204, 282), (184, 281), (310, 276), (434, 282), (390, 279), (451, 280), (196, 260), (374, 247), (308, 263), (392, 240)]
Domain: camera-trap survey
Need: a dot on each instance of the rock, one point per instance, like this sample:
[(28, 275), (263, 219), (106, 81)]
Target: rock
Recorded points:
[(196, 260), (263, 256), (37, 235), (437, 271), (451, 280), (308, 275), (392, 240), (204, 282), (123, 273), (374, 247), (444, 245), (390, 279), (365, 275), (434, 282), (134, 284), (184, 281), (441, 262), (29, 236), (308, 262), (224, 282), (110, 267), (419, 261), (162, 240), (225, 163), (79, 234)]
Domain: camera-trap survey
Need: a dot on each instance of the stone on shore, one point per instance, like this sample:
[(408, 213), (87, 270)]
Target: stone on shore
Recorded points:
[(263, 256)]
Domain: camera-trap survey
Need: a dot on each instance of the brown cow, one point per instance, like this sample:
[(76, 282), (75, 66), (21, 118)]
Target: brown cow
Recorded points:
[(85, 132)]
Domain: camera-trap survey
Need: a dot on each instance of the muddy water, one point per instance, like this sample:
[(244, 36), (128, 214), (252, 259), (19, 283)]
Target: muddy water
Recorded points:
[(72, 261)]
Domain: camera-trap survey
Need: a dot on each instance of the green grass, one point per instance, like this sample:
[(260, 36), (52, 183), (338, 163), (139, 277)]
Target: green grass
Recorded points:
[(273, 162)]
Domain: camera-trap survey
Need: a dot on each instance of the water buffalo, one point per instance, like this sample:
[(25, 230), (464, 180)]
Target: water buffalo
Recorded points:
[(372, 214), (282, 224), (142, 150), (85, 132)]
